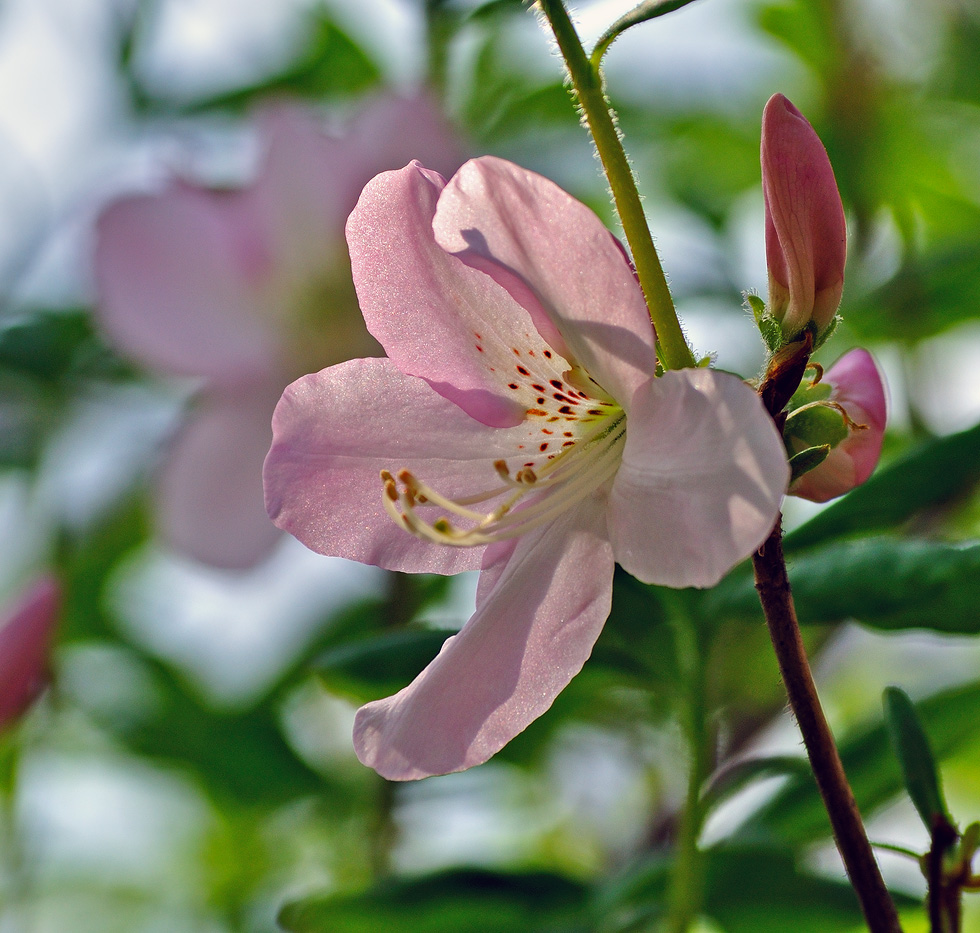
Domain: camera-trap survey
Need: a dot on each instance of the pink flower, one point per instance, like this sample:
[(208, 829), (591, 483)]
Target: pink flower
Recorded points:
[(856, 385), (26, 635), (247, 290), (518, 428), (805, 229)]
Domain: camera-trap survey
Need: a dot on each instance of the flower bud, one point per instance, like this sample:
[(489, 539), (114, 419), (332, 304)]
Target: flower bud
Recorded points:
[(805, 229), (26, 635), (857, 387)]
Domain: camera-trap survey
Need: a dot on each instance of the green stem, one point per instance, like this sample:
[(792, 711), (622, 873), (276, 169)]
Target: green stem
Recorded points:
[(673, 348), (687, 880)]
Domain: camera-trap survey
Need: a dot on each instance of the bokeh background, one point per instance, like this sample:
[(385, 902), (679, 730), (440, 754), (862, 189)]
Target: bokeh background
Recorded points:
[(189, 767)]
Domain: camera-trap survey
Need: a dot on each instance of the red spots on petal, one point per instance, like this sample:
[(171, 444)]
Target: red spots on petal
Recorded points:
[(547, 353), (536, 411), (479, 348), (515, 351), (530, 353), (569, 434), (558, 384), (568, 444), (565, 409), (512, 385), (541, 400), (595, 411), (523, 371), (543, 446), (547, 431), (539, 388), (556, 418), (478, 337)]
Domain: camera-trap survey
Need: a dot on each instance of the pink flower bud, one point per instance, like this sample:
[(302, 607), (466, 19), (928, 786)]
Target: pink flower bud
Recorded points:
[(856, 385), (805, 229), (26, 635)]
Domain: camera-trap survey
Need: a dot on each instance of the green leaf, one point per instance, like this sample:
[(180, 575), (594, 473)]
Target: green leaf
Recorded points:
[(911, 746), (933, 474), (796, 814), (730, 780), (457, 901), (885, 583), (331, 65), (376, 667), (641, 13)]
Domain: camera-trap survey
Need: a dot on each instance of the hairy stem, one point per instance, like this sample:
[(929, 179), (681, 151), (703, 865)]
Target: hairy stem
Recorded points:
[(673, 348), (772, 583)]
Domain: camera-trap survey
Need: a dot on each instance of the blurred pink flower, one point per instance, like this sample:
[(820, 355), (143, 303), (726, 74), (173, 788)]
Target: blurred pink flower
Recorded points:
[(805, 229), (247, 290), (26, 636), (517, 417), (856, 385)]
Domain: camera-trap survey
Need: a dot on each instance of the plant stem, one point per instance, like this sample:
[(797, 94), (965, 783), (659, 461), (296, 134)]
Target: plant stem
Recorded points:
[(687, 878), (673, 348), (772, 583)]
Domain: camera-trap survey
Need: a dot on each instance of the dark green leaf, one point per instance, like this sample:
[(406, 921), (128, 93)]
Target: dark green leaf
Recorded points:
[(930, 476), (458, 901), (796, 814), (807, 460), (911, 746), (376, 667), (885, 583)]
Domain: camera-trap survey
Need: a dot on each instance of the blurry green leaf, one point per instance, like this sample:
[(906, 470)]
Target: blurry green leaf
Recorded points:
[(911, 747), (46, 345), (241, 754), (933, 474), (885, 583), (332, 65), (747, 889), (734, 778), (458, 901), (796, 814), (376, 667)]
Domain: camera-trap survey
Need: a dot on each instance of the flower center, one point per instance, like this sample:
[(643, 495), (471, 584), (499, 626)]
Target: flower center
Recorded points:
[(569, 444)]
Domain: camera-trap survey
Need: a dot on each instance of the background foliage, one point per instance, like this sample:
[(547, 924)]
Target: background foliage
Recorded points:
[(190, 767)]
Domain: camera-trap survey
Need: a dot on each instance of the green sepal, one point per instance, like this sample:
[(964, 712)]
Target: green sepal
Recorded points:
[(911, 746), (807, 460), (828, 332), (756, 305), (814, 425)]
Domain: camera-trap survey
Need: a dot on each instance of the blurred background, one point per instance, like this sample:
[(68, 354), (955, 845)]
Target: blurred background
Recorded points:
[(174, 179)]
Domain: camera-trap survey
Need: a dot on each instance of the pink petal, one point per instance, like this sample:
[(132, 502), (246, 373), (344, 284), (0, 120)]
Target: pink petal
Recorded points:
[(26, 636), (416, 297), (336, 430), (172, 272), (857, 386), (704, 471), (530, 636), (805, 228), (494, 210), (210, 499)]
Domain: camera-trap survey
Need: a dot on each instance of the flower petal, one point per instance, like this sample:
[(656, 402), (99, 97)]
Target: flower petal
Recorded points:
[(209, 499), (495, 210), (25, 643), (703, 474), (416, 297), (172, 272), (530, 636), (335, 431)]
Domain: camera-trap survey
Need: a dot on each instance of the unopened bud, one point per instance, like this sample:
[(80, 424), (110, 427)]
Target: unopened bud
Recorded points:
[(805, 229), (857, 398)]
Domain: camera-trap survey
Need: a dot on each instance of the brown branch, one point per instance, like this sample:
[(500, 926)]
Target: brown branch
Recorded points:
[(772, 583)]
